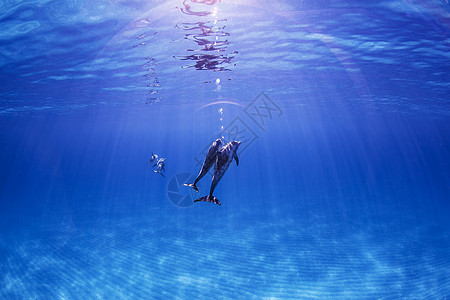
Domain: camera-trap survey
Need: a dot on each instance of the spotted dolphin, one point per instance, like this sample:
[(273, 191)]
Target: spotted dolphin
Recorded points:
[(154, 158), (208, 163), (223, 160), (160, 166)]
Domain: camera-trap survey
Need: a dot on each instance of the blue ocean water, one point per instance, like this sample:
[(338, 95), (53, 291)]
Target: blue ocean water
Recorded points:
[(343, 184)]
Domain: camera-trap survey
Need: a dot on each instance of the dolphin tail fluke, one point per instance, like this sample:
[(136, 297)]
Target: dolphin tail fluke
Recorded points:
[(192, 185), (209, 198), (159, 173)]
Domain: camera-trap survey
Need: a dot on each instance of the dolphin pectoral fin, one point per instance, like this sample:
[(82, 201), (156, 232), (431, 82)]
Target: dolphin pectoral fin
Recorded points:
[(209, 198), (236, 158), (192, 186)]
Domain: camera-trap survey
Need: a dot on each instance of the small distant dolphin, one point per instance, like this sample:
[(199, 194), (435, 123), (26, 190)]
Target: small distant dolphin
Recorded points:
[(154, 158), (207, 164), (223, 160), (160, 166)]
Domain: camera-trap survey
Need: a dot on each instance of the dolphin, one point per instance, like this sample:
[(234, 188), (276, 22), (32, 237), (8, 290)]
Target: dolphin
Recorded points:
[(160, 166), (154, 158), (223, 160), (207, 164)]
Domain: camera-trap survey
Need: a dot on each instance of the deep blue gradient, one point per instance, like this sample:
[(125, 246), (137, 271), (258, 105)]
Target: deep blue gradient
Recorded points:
[(343, 185)]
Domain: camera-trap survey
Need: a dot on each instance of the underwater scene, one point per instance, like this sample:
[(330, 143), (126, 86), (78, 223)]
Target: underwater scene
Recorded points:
[(224, 149)]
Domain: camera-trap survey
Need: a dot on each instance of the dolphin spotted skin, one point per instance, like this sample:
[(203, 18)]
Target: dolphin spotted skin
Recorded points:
[(207, 164), (223, 160)]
